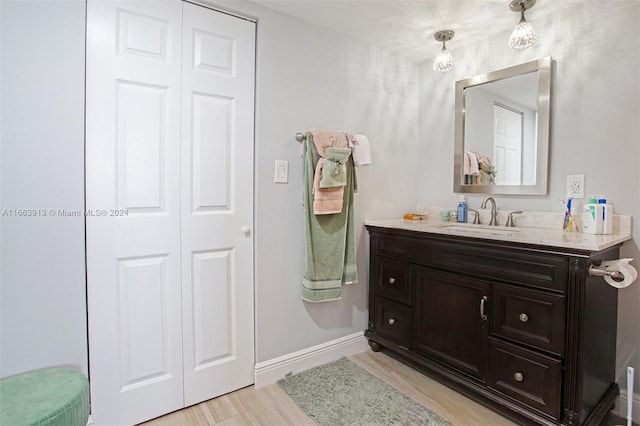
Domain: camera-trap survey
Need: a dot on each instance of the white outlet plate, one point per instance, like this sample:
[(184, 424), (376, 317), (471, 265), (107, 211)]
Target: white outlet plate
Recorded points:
[(575, 186)]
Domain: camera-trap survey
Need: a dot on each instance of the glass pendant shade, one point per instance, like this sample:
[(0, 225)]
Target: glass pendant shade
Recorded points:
[(444, 61), (523, 36)]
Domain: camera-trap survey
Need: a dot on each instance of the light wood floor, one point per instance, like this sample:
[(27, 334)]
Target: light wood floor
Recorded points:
[(271, 406)]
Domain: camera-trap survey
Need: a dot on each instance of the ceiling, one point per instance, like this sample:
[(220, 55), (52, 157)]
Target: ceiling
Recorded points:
[(407, 26)]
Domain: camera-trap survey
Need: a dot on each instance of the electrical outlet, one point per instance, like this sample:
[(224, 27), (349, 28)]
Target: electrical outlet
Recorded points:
[(575, 186)]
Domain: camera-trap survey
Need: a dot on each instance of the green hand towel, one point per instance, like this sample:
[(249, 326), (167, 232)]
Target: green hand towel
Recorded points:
[(329, 258), (334, 168)]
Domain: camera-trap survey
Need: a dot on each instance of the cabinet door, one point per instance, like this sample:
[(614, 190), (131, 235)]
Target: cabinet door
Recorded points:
[(448, 321)]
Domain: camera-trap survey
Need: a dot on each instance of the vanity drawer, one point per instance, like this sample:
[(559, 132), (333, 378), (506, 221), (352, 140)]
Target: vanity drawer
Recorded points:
[(393, 280), (525, 376), (476, 258), (533, 317), (393, 320)]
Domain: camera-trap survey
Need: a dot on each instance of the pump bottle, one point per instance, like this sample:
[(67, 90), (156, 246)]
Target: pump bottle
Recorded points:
[(592, 216), (462, 209)]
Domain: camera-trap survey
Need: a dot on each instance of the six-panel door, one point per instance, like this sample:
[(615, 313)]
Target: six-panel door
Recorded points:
[(169, 172)]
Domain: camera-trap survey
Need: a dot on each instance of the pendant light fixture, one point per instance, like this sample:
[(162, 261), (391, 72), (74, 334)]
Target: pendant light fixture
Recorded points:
[(524, 35), (444, 61)]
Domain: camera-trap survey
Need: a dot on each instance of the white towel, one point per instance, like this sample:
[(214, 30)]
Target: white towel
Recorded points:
[(360, 150)]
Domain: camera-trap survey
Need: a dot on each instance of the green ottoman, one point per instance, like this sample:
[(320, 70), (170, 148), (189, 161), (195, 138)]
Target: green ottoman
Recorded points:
[(51, 396)]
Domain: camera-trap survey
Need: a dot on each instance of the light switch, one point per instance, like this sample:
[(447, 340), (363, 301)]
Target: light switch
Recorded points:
[(282, 171)]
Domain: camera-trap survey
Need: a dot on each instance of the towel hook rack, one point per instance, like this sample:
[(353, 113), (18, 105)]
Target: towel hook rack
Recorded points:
[(300, 137)]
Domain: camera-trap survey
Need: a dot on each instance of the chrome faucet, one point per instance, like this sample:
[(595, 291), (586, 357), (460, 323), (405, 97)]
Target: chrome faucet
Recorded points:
[(476, 216), (510, 223), (494, 213)]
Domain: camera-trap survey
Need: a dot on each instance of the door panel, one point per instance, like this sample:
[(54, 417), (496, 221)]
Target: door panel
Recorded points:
[(142, 286), (212, 116), (141, 140), (211, 307), (217, 202)]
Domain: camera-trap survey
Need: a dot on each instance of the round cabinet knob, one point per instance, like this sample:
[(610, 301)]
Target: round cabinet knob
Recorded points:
[(392, 321), (519, 377), (246, 231), (392, 280), (524, 317)]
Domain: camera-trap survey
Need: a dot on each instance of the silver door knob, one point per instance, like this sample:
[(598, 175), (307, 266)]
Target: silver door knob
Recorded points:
[(519, 377), (524, 317), (246, 231), (392, 321), (392, 280)]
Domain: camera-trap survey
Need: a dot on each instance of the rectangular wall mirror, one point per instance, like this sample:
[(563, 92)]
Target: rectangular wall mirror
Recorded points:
[(502, 128)]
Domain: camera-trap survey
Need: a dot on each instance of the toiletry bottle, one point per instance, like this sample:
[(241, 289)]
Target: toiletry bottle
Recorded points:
[(462, 209), (607, 215), (592, 217), (568, 224)]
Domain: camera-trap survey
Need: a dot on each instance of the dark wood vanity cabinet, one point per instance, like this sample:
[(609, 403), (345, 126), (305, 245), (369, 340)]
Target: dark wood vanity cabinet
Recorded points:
[(522, 328)]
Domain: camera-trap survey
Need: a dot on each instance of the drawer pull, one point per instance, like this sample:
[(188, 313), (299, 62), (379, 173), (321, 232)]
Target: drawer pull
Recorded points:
[(482, 302), (392, 280), (524, 317), (392, 321), (519, 377)]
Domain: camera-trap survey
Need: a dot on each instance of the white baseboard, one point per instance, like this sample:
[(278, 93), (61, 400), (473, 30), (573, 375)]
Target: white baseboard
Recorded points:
[(620, 408), (271, 371)]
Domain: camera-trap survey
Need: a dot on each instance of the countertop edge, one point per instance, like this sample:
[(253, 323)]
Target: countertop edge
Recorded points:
[(543, 237)]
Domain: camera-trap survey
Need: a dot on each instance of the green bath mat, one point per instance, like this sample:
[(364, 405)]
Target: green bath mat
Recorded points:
[(342, 393)]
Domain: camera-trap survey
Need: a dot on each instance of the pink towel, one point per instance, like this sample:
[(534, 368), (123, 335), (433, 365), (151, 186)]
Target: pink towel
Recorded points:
[(326, 139), (471, 163), (326, 200)]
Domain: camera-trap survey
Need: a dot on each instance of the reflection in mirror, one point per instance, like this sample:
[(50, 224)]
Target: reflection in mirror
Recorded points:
[(502, 131)]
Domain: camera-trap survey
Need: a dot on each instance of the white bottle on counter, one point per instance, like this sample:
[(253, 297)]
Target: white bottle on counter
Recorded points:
[(607, 215), (592, 217)]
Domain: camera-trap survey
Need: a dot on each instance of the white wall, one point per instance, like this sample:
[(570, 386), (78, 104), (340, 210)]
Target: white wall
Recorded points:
[(309, 77), (595, 128), (306, 77), (42, 289)]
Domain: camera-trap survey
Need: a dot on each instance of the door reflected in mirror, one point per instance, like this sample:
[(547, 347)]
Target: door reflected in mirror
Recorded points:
[(502, 130)]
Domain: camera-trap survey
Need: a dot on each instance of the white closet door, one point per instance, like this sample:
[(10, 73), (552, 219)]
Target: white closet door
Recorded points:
[(169, 157), (507, 148), (217, 202), (133, 197)]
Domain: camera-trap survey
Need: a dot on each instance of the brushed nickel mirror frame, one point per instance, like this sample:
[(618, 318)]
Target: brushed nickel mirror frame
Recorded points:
[(544, 68)]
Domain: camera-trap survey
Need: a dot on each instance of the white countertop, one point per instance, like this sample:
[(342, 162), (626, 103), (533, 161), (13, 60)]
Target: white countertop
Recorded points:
[(527, 235)]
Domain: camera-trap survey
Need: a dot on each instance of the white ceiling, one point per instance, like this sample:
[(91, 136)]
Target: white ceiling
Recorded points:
[(407, 26)]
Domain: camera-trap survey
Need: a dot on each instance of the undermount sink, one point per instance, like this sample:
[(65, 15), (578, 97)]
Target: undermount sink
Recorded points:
[(468, 228)]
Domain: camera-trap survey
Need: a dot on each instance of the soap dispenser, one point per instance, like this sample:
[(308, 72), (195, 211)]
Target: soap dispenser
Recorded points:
[(462, 209)]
